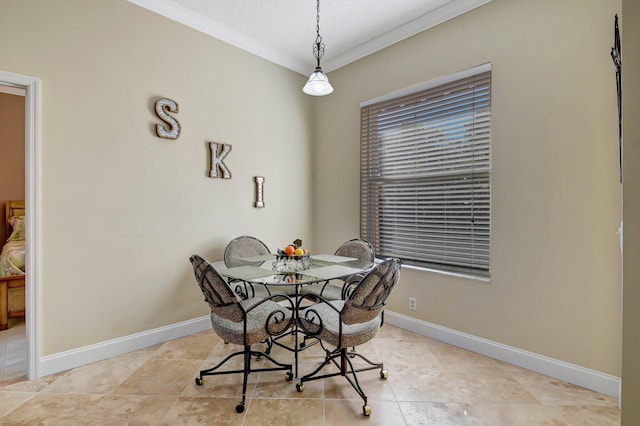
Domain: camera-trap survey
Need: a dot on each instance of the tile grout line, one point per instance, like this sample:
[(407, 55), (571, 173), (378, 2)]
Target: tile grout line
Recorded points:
[(406, 409)]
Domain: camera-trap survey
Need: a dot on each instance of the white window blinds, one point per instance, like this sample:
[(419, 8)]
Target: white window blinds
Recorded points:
[(425, 176)]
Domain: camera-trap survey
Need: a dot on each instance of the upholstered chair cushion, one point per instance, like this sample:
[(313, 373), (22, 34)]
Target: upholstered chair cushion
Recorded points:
[(221, 299), (352, 335), (358, 248), (268, 315), (244, 246), (368, 295)]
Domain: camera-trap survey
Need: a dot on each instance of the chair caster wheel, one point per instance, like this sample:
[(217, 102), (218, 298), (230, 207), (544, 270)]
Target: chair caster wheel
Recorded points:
[(240, 407), (289, 376), (199, 381), (299, 387), (384, 374), (302, 345), (366, 410)]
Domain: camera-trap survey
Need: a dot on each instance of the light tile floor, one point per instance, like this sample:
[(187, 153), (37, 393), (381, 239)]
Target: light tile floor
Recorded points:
[(430, 383), (13, 350)]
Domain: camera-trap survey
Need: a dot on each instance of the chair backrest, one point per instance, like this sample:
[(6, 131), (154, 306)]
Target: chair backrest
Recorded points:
[(217, 293), (371, 294), (243, 246), (357, 248)]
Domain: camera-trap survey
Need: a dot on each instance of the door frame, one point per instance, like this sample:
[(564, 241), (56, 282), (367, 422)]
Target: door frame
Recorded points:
[(32, 86)]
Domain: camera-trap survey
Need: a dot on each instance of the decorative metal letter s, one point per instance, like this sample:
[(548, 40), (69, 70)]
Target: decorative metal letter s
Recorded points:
[(217, 157), (171, 128)]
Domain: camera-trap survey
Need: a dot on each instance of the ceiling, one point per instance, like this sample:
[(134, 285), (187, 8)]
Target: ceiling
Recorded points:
[(283, 31)]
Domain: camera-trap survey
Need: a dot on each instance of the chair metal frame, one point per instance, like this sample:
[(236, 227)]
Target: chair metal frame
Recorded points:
[(276, 322), (373, 301)]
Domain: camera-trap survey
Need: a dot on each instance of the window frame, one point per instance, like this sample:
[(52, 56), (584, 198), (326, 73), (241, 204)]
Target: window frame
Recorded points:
[(479, 176)]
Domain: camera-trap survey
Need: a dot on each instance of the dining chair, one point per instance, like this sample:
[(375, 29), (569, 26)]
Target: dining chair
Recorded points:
[(243, 246), (242, 322), (350, 323), (356, 248), (246, 246)]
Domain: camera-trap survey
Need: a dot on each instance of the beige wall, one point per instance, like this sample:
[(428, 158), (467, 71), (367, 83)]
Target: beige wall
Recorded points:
[(556, 204), (12, 149), (122, 210), (631, 86)]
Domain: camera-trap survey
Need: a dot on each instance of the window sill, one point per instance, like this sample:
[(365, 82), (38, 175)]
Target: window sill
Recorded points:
[(450, 274)]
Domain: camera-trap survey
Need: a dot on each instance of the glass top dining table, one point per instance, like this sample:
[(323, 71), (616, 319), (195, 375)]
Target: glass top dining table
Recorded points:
[(274, 270), (286, 276)]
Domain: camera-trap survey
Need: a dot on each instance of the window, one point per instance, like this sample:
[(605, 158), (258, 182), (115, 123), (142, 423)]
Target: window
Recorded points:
[(426, 173)]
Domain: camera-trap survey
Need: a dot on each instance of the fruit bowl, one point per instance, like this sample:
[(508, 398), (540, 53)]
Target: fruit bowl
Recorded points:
[(287, 263), (282, 254), (293, 257)]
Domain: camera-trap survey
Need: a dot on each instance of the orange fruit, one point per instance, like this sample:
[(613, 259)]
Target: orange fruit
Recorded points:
[(290, 250)]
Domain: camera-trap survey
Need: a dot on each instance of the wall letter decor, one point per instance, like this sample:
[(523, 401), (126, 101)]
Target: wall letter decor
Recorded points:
[(171, 130), (216, 160), (259, 191)]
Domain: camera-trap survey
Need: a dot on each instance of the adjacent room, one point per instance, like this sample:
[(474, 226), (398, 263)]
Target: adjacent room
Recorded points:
[(155, 133)]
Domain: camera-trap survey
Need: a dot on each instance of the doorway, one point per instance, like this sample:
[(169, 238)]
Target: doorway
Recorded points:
[(13, 344), (30, 86)]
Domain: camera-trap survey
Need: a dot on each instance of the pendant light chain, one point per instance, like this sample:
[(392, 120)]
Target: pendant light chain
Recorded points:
[(318, 18), (318, 46)]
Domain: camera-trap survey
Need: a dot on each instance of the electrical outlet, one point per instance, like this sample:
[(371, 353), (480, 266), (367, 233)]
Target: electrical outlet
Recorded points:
[(412, 303)]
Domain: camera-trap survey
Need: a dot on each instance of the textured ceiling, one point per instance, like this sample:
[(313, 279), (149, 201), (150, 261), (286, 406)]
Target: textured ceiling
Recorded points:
[(283, 31)]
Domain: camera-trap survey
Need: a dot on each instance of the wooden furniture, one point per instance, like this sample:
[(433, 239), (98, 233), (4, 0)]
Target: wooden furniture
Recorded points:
[(12, 303), (12, 289), (12, 208)]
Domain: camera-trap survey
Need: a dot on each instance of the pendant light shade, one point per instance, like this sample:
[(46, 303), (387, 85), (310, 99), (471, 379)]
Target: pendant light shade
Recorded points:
[(318, 83)]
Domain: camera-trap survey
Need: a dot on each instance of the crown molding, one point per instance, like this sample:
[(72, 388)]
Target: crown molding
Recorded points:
[(231, 36), (221, 32), (418, 25)]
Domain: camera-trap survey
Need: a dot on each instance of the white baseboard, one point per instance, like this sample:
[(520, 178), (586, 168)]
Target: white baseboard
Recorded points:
[(62, 361), (581, 376)]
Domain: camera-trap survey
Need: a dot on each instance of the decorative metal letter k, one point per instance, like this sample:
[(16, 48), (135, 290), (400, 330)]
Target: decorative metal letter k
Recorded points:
[(216, 160)]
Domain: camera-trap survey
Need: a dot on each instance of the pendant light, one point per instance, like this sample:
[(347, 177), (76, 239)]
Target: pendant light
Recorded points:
[(318, 84)]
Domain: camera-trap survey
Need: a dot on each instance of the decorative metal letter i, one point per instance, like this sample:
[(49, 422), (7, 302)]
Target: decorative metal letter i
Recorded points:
[(259, 191)]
